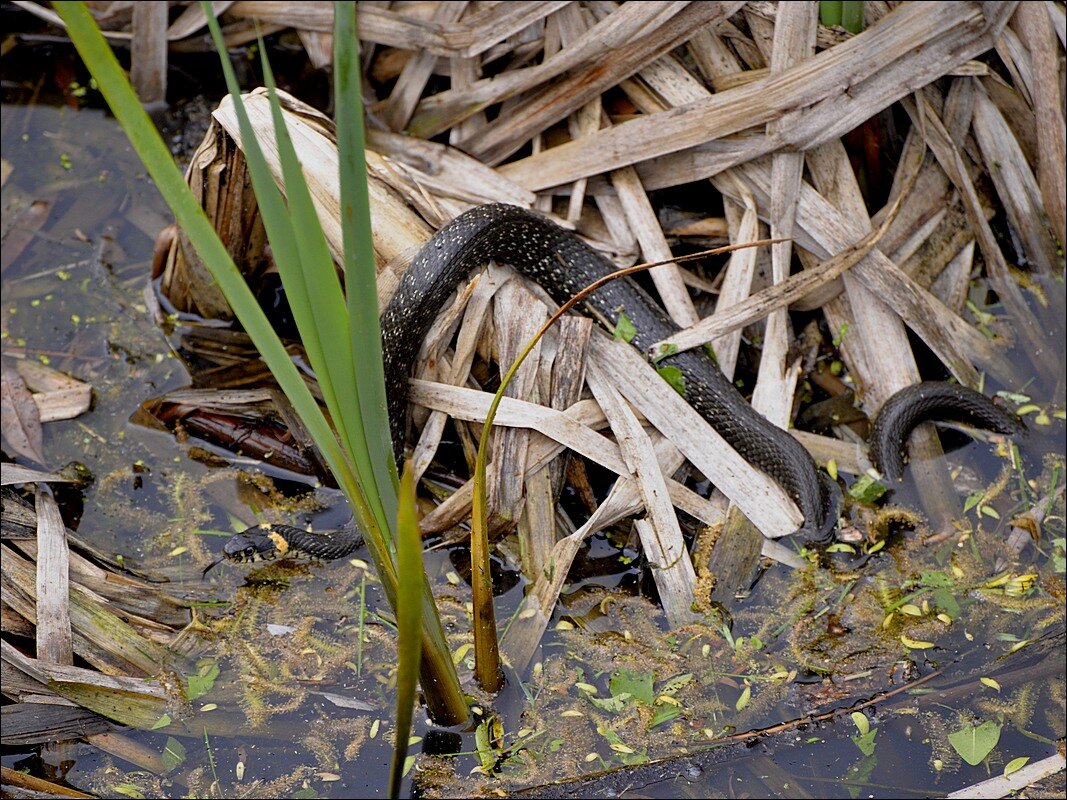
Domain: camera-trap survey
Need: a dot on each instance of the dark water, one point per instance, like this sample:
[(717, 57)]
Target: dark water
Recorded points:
[(74, 298)]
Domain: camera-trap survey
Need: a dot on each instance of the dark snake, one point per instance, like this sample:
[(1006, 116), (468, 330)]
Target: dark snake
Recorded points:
[(563, 265)]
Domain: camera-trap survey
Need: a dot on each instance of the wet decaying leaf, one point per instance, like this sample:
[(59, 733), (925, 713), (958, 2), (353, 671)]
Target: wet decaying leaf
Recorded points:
[(21, 420), (248, 423), (57, 396)]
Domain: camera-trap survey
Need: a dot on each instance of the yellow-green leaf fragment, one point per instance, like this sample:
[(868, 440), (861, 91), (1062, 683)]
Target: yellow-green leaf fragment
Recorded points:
[(127, 790), (863, 725), (1015, 765), (674, 377), (624, 328), (840, 547), (915, 644), (992, 684), (744, 699)]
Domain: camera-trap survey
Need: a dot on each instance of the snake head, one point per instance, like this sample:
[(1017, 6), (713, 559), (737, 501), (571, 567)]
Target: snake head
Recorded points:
[(249, 546)]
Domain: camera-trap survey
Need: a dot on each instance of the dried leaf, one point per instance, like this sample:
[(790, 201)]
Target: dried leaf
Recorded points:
[(21, 421)]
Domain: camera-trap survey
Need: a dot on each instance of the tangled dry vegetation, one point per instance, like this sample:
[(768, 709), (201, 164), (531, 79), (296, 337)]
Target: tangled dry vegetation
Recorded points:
[(581, 110), (594, 113)]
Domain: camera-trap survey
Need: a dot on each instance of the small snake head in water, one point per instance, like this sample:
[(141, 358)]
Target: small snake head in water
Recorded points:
[(255, 544), (251, 545)]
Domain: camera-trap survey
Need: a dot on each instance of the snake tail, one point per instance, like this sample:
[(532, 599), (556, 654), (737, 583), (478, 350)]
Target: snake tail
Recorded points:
[(931, 401)]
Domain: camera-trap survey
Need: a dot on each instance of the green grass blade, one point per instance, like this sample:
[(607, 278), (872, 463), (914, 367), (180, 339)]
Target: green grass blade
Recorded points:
[(446, 703), (329, 323), (288, 256), (830, 12), (360, 275), (444, 695), (852, 15), (288, 242), (446, 699), (312, 273), (408, 624)]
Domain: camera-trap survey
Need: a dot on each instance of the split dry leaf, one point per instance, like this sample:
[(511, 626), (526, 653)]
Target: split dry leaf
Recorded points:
[(20, 420)]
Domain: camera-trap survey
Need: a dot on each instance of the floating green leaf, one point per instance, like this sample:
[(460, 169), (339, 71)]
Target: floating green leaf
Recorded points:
[(614, 704), (664, 713), (173, 754), (974, 743), (973, 499), (866, 489), (866, 742), (162, 722), (202, 682), (944, 599), (1015, 765), (636, 684)]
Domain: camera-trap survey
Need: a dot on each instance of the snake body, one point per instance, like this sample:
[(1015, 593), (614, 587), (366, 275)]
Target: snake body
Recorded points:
[(272, 541), (563, 265), (931, 401)]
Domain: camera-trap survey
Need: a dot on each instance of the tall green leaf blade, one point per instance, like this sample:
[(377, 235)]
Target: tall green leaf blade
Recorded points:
[(408, 623), (362, 294), (286, 247), (446, 701), (361, 282), (327, 320)]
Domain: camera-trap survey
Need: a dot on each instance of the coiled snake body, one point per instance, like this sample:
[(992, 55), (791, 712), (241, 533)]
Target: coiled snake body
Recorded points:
[(563, 265)]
